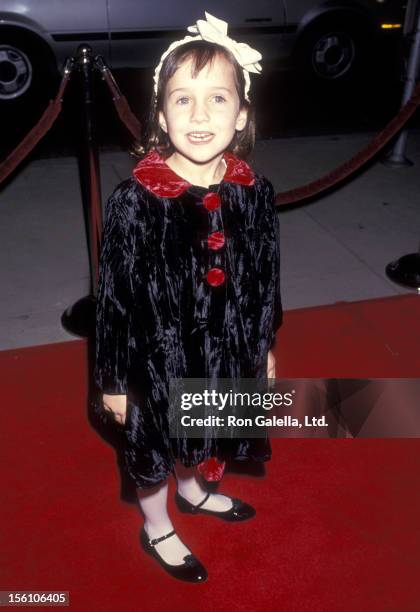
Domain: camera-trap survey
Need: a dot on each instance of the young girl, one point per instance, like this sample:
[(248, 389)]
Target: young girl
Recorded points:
[(189, 280)]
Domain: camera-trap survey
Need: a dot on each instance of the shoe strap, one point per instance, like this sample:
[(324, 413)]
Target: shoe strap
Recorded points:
[(157, 540), (203, 501)]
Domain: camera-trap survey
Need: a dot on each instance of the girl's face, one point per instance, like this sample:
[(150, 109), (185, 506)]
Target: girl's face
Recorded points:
[(200, 115)]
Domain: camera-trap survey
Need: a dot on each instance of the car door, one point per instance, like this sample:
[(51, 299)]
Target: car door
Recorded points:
[(142, 29)]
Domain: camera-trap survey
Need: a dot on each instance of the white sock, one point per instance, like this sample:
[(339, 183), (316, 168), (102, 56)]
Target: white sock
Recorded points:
[(153, 503), (190, 489)]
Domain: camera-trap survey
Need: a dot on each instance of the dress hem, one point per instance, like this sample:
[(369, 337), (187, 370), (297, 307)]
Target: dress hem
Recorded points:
[(258, 459)]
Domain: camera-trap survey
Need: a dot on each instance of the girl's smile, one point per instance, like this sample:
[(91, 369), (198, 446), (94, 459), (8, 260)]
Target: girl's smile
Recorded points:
[(199, 138), (200, 115)]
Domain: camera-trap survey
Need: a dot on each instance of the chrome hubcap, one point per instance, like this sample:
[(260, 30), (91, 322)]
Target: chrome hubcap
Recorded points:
[(15, 72), (333, 55)]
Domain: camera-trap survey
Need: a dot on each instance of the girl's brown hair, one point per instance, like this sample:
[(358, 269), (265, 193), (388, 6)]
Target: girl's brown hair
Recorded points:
[(201, 53)]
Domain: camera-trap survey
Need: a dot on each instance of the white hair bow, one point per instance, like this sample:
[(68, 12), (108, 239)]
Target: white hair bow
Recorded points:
[(215, 31)]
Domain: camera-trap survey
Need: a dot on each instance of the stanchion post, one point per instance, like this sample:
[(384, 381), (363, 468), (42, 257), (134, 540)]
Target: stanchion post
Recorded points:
[(405, 271), (89, 168), (79, 319), (396, 157)]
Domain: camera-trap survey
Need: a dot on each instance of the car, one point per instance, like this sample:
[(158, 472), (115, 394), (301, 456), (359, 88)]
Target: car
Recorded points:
[(329, 39)]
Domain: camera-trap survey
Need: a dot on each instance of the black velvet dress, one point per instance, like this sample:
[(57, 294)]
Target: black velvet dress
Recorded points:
[(189, 287)]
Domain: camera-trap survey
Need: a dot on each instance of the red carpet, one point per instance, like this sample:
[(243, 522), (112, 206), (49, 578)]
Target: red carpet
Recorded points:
[(338, 520)]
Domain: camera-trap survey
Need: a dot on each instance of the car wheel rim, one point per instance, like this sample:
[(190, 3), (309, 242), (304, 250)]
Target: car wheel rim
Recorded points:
[(333, 55), (15, 72)]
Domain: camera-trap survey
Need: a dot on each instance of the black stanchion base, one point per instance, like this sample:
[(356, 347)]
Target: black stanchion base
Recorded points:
[(405, 271), (79, 319)]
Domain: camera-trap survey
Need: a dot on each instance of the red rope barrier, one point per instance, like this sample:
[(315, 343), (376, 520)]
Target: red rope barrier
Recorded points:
[(341, 172), (120, 101), (34, 136)]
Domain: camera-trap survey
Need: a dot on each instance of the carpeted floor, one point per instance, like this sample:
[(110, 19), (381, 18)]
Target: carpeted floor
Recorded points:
[(337, 524)]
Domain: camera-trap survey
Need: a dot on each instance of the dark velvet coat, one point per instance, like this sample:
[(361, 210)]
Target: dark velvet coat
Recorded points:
[(189, 288)]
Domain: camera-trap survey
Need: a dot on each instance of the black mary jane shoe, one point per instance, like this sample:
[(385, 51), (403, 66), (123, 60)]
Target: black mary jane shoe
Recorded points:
[(190, 571), (240, 511)]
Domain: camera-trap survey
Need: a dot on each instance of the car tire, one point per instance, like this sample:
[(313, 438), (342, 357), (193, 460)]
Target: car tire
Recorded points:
[(334, 51), (27, 70)]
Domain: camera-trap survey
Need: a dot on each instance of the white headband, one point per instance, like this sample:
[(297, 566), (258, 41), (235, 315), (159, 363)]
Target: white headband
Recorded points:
[(215, 31)]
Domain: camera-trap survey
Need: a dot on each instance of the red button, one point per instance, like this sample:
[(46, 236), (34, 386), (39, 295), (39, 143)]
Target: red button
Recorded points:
[(216, 240), (211, 201), (215, 276)]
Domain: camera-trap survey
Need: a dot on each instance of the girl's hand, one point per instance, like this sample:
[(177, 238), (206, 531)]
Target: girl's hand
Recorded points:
[(117, 404), (271, 365)]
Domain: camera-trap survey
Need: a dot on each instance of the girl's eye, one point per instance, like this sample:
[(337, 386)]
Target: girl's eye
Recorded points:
[(182, 100), (219, 99)]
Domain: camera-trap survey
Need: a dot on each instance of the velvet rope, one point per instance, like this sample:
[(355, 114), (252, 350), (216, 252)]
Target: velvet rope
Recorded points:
[(120, 102), (47, 120), (347, 168)]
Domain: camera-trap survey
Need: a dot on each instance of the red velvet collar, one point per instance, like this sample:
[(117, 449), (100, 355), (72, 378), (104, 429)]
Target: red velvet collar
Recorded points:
[(154, 174)]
